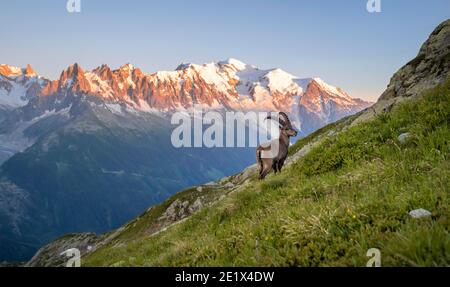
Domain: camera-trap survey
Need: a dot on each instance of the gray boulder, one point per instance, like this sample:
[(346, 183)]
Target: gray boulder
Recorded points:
[(419, 213), (403, 137)]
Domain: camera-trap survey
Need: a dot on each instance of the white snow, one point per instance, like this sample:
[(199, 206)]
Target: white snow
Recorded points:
[(279, 80), (235, 63), (255, 87), (127, 67), (18, 83), (331, 89), (130, 82), (13, 71), (239, 85), (145, 107), (16, 141), (167, 75), (99, 86), (210, 73), (115, 108), (15, 98)]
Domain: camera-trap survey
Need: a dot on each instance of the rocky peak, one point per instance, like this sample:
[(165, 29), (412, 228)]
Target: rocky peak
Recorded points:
[(127, 67), (317, 87), (236, 64), (183, 66), (10, 71), (74, 78), (229, 84), (137, 72), (126, 70), (72, 72), (429, 68), (29, 72), (104, 72)]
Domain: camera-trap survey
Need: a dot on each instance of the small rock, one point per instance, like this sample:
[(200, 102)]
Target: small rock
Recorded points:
[(229, 185), (403, 137), (199, 189), (182, 210), (197, 205), (225, 179), (211, 183), (184, 204), (248, 172), (418, 213), (118, 264), (171, 211)]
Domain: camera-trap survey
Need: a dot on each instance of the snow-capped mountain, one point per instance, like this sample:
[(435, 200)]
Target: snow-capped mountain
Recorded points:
[(30, 103), (92, 149), (227, 84), (231, 84), (18, 86)]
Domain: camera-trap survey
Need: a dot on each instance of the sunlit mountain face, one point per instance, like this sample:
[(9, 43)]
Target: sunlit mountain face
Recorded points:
[(92, 149)]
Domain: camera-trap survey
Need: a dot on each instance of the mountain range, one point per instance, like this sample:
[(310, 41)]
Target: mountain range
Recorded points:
[(228, 84), (90, 150), (349, 190)]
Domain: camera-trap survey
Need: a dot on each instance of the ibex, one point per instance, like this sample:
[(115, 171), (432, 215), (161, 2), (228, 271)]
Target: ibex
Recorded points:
[(271, 155)]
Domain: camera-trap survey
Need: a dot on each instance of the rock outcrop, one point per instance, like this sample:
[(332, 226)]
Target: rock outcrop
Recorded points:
[(51, 254), (430, 68)]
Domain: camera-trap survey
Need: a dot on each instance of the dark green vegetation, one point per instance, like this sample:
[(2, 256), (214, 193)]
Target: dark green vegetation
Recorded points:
[(351, 192), (96, 173)]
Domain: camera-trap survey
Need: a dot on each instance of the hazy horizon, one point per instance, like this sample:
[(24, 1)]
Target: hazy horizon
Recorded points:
[(339, 42)]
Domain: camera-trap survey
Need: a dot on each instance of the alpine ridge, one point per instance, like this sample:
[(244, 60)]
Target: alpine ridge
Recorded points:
[(229, 84), (98, 143)]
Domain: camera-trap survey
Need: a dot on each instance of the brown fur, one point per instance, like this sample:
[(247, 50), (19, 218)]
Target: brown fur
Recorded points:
[(276, 162)]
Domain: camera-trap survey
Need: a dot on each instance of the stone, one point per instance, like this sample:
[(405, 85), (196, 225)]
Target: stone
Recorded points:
[(403, 137), (211, 184), (430, 68), (229, 185), (419, 213), (248, 172), (171, 211), (197, 205)]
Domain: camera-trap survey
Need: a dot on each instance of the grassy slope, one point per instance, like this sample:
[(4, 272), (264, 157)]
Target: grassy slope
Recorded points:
[(351, 193)]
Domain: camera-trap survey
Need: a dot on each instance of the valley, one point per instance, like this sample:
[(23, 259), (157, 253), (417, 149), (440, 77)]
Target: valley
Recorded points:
[(93, 149)]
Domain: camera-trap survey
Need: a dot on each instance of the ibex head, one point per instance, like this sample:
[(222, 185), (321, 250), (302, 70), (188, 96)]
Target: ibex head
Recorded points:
[(285, 124)]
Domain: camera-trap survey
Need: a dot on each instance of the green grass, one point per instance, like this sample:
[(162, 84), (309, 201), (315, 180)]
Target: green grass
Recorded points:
[(148, 223), (350, 193)]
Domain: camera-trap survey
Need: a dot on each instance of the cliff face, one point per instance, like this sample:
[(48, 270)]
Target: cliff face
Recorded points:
[(18, 86), (229, 84), (430, 68)]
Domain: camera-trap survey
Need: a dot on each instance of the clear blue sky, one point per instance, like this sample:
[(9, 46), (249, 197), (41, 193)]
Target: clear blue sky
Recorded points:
[(337, 40)]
